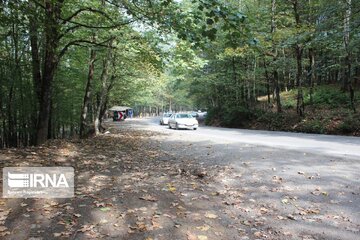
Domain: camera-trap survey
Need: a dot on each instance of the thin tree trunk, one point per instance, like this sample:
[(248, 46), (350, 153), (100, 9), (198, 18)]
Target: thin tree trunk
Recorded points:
[(347, 83), (312, 73), (300, 107), (33, 30), (87, 96), (233, 64), (104, 87), (347, 75), (267, 83), (275, 72)]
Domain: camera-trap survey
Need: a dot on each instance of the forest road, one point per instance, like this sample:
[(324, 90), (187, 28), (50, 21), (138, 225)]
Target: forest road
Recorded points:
[(325, 145), (310, 182)]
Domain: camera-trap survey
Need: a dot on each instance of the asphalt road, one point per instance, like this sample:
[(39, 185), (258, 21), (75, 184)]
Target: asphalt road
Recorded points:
[(311, 180), (339, 146)]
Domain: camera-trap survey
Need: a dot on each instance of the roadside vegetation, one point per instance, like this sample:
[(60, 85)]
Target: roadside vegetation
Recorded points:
[(328, 113)]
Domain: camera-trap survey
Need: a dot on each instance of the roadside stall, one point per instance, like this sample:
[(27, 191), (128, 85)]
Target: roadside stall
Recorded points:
[(120, 113)]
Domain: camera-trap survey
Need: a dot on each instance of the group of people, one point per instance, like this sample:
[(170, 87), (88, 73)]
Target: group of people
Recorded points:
[(122, 115)]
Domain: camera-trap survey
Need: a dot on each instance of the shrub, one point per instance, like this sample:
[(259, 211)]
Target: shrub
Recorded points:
[(330, 96), (312, 126), (273, 121), (350, 124), (230, 117)]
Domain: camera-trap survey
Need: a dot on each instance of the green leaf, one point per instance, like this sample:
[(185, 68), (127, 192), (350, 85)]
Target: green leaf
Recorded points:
[(209, 21)]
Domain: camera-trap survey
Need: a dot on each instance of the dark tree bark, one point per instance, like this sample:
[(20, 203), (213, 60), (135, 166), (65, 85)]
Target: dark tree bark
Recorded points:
[(300, 107), (347, 75), (87, 97), (51, 31), (33, 30), (104, 89), (236, 83), (312, 73), (275, 72), (267, 83)]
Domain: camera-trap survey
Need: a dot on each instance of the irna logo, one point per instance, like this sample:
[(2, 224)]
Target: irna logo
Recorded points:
[(37, 180)]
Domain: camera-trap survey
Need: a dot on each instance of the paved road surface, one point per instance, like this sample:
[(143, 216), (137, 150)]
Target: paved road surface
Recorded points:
[(340, 146), (317, 175)]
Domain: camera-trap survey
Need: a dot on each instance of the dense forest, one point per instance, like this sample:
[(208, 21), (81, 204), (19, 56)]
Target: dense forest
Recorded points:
[(281, 64)]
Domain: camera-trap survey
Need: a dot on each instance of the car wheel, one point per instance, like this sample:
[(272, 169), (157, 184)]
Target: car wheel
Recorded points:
[(195, 128), (169, 126), (177, 127), (161, 123)]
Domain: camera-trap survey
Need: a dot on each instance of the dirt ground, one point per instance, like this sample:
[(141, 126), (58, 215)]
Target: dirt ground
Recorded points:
[(138, 184)]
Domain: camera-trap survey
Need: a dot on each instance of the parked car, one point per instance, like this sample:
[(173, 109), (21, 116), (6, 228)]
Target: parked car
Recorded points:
[(183, 120), (165, 119), (194, 114)]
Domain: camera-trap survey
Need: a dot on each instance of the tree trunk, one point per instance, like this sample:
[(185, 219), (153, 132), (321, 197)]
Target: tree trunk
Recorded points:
[(104, 88), (347, 82), (33, 31), (87, 96), (51, 31), (267, 83), (300, 107), (234, 75), (347, 75), (312, 73), (275, 72)]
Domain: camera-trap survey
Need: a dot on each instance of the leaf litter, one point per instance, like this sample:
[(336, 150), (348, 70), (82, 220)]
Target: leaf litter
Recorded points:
[(127, 185)]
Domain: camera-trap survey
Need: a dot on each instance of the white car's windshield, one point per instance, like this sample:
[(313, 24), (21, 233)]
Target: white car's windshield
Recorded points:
[(184, 115), (167, 115)]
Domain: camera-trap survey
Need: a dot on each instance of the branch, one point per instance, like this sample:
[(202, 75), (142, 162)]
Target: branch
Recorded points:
[(39, 4), (141, 15), (78, 41), (102, 27), (68, 30), (68, 19)]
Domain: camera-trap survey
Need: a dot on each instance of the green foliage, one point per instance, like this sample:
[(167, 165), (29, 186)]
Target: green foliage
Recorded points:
[(350, 124), (329, 96), (273, 121), (235, 117), (312, 126)]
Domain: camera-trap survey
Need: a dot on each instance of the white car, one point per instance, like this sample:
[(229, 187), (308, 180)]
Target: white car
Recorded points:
[(183, 120), (165, 119)]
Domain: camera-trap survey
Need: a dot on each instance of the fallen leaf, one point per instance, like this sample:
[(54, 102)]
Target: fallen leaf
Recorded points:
[(203, 228), (210, 215), (202, 237), (263, 210), (291, 217), (247, 223), (85, 228), (191, 236), (257, 234), (141, 226), (103, 221), (148, 198), (105, 209)]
